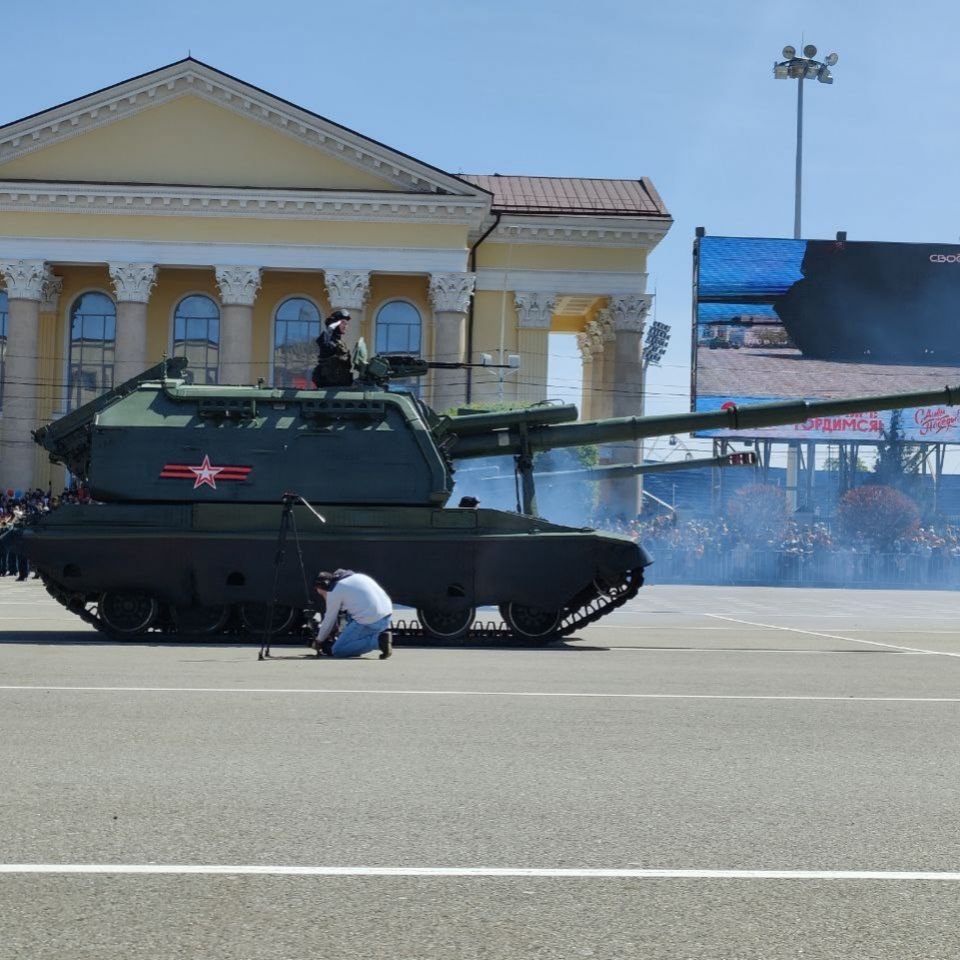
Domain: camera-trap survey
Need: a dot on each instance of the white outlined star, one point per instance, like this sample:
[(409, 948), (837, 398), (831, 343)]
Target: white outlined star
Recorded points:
[(205, 474)]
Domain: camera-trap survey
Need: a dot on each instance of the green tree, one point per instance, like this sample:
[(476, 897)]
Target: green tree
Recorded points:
[(898, 462)]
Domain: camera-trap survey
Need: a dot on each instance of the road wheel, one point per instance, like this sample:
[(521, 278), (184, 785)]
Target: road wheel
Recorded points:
[(446, 624), (127, 613), (200, 621), (254, 617), (530, 623)]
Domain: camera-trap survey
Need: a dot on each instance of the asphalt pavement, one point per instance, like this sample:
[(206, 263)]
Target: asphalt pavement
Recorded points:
[(708, 773)]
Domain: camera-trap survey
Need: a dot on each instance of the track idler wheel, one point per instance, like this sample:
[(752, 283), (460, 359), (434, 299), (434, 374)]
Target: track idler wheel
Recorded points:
[(531, 623), (254, 618), (127, 613), (446, 624), (200, 621)]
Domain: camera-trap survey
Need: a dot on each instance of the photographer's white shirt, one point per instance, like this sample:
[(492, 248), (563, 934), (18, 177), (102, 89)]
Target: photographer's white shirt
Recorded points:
[(360, 597)]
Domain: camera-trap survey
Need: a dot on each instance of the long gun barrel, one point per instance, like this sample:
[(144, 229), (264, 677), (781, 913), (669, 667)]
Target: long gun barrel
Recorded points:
[(752, 416), (615, 470)]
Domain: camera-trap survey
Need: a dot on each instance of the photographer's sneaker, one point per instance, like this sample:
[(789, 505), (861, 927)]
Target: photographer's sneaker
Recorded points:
[(385, 642)]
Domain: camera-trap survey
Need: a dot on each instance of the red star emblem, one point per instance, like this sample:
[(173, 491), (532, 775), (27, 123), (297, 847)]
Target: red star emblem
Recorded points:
[(205, 474)]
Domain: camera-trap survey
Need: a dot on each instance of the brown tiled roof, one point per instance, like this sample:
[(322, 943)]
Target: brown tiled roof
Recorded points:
[(578, 195)]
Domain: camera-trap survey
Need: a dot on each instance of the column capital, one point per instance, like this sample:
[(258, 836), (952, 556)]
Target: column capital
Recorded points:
[(594, 335), (24, 278), (347, 289), (52, 288), (629, 313), (451, 292), (534, 310), (238, 285), (604, 326), (132, 282), (585, 346)]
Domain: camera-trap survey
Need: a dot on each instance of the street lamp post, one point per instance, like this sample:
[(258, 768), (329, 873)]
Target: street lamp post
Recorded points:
[(802, 68)]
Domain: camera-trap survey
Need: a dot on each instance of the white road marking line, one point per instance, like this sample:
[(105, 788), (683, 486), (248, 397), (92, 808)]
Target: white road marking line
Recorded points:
[(834, 636), (751, 650), (628, 873), (325, 691)]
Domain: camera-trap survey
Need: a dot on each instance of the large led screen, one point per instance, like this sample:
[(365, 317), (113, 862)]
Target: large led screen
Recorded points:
[(821, 319)]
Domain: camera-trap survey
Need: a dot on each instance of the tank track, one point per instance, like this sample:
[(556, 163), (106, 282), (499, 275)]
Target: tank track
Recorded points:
[(573, 619), (591, 609)]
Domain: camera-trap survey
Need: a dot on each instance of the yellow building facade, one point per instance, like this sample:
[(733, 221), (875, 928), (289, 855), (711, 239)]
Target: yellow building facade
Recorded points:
[(185, 212)]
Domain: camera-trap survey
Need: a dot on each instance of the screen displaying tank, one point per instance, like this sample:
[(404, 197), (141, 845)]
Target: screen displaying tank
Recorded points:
[(826, 319)]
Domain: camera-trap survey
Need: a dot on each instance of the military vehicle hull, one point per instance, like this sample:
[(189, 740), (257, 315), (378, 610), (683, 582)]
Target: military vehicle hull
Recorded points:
[(195, 484), (209, 568)]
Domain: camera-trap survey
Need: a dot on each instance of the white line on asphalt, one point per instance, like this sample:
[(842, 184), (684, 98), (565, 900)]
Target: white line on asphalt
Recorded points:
[(751, 650), (325, 691), (834, 636), (554, 873)]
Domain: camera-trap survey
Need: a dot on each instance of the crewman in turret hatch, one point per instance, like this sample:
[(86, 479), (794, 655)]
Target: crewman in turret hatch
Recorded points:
[(334, 367)]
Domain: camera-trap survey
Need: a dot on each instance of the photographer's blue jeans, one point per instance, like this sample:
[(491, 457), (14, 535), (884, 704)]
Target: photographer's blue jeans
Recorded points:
[(356, 639)]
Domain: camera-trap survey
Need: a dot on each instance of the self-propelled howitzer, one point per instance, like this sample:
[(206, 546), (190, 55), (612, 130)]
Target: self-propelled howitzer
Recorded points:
[(189, 482)]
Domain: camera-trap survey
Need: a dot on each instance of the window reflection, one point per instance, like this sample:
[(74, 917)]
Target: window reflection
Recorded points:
[(399, 330), (296, 328), (196, 336), (93, 334)]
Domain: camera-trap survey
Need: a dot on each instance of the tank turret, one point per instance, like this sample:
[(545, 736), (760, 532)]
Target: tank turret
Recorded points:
[(190, 480)]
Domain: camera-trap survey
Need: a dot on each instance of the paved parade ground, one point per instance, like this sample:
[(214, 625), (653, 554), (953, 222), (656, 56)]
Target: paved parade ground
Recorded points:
[(708, 773)]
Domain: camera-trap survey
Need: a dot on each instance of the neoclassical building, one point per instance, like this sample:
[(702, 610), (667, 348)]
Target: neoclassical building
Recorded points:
[(185, 212)]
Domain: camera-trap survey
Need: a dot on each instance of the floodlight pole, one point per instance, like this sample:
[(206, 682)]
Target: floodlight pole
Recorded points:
[(800, 69), (796, 198)]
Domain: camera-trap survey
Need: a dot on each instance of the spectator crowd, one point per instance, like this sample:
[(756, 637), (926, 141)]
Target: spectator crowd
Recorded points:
[(17, 505), (714, 550)]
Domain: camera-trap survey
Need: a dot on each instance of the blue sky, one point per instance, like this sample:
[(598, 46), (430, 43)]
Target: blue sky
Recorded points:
[(680, 92)]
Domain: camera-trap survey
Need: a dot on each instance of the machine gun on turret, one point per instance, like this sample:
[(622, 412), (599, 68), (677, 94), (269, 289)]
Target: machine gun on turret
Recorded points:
[(383, 368)]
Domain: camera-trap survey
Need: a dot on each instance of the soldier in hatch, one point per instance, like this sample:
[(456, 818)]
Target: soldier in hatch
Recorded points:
[(334, 367)]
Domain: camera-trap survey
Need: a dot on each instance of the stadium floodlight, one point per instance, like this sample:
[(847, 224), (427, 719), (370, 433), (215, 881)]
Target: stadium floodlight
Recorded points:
[(802, 68), (655, 345)]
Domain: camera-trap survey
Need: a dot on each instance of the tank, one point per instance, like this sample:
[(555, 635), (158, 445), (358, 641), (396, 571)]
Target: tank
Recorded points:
[(875, 303), (193, 487)]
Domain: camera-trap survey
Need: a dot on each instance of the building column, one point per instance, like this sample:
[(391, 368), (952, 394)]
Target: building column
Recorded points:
[(629, 315), (132, 283), (450, 295), (534, 313), (586, 361), (25, 281), (593, 373), (50, 393), (238, 290), (608, 366), (348, 290)]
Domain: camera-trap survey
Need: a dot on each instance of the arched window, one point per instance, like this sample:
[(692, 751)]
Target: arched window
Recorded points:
[(296, 327), (4, 312), (93, 335), (196, 336), (398, 330)]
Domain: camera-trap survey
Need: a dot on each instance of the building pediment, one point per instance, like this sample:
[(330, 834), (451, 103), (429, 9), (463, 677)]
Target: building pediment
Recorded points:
[(191, 125)]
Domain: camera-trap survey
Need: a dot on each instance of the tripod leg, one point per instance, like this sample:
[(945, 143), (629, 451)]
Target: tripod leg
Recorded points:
[(277, 563)]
